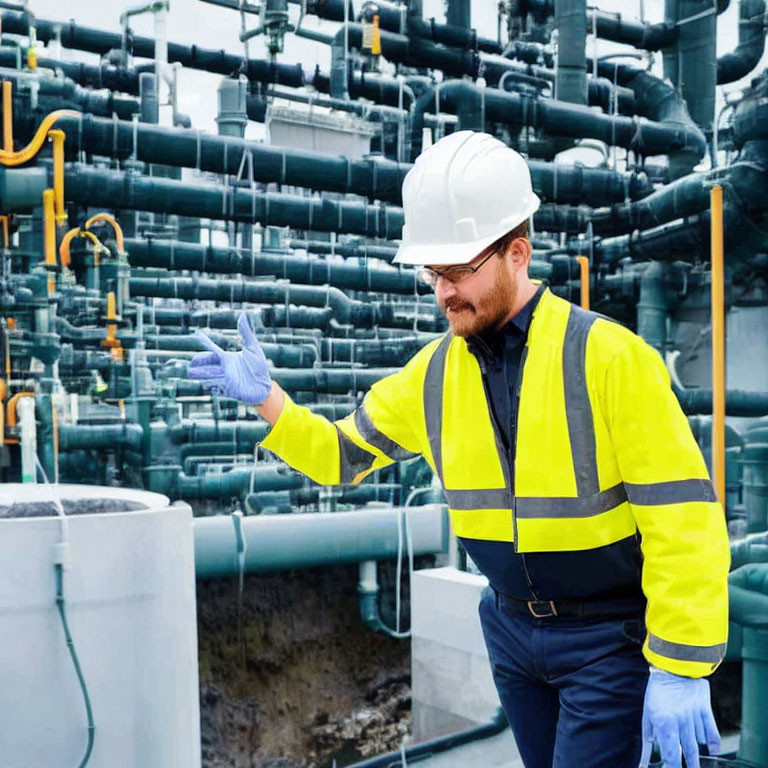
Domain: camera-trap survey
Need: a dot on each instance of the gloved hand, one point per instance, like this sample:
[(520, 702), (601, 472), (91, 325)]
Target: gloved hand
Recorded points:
[(678, 712), (242, 375)]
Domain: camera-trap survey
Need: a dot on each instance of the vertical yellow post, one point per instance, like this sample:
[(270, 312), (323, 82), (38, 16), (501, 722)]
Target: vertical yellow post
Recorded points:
[(49, 229), (57, 138), (7, 116), (584, 273), (718, 342)]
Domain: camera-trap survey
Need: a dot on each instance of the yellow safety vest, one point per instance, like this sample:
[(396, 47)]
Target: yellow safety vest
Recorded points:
[(603, 451)]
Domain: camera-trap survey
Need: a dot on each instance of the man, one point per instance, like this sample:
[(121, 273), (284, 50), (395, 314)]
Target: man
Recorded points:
[(571, 474)]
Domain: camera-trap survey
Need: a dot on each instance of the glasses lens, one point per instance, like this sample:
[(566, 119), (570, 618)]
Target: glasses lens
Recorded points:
[(428, 276)]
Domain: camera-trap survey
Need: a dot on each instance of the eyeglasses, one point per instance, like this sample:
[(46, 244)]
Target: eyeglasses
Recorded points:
[(451, 274)]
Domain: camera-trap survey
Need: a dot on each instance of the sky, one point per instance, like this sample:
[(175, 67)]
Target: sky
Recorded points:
[(210, 26)]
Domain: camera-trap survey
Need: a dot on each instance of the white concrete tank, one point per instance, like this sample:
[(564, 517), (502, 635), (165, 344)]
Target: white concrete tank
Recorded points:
[(130, 604)]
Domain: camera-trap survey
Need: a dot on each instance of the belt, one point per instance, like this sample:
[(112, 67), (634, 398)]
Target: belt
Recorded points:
[(543, 609)]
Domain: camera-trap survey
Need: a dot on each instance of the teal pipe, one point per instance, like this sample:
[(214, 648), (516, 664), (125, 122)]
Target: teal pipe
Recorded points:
[(124, 434), (283, 502), (754, 460), (748, 596), (237, 482), (283, 542)]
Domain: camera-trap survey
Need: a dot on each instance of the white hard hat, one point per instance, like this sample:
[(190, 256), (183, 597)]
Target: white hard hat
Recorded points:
[(462, 194)]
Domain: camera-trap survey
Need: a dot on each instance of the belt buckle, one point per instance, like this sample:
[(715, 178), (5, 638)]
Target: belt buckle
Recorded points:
[(548, 605)]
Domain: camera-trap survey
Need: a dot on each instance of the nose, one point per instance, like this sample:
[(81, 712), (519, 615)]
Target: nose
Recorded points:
[(445, 289)]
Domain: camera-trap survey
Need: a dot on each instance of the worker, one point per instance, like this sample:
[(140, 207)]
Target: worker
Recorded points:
[(570, 472)]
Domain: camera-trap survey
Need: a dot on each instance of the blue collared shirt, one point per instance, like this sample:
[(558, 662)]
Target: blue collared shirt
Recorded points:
[(609, 571)]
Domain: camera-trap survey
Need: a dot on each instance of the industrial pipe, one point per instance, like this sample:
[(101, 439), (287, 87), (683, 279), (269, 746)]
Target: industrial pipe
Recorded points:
[(281, 542), (368, 276), (101, 188), (100, 436), (747, 54), (71, 35), (718, 342), (556, 118)]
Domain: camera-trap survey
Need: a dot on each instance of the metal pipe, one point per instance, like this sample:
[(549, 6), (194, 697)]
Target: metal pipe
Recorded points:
[(718, 342), (100, 436), (103, 188), (57, 138), (72, 35), (7, 116), (584, 279), (369, 276), (571, 72), (747, 54), (748, 602), (282, 542), (558, 119)]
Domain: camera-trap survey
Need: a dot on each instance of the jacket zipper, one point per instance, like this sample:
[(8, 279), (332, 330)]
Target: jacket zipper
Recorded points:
[(506, 465), (516, 407)]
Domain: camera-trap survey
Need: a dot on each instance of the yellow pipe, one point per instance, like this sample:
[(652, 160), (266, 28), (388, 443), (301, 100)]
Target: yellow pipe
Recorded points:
[(57, 137), (7, 116), (110, 220), (49, 227), (6, 235), (114, 344), (6, 329), (3, 390), (55, 423), (584, 267), (718, 342), (26, 154), (65, 259), (11, 410)]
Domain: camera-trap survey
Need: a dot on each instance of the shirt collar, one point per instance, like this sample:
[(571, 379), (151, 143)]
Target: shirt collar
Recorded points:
[(516, 326)]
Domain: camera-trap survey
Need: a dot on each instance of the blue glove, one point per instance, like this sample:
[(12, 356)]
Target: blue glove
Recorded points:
[(241, 375), (678, 712)]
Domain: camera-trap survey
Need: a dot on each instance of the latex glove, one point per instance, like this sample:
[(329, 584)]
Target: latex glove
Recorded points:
[(242, 375), (677, 712)]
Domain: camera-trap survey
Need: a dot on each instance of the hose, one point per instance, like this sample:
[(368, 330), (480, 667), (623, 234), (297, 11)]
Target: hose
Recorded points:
[(60, 557)]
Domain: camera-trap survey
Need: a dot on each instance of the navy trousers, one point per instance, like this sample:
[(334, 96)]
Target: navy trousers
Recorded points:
[(572, 688)]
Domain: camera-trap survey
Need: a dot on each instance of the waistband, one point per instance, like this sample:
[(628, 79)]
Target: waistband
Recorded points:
[(543, 609)]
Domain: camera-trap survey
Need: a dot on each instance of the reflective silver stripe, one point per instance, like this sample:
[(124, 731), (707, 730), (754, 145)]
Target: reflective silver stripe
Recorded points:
[(671, 492), (353, 458), (433, 402), (371, 434), (578, 410), (681, 652), (571, 506), (482, 498)]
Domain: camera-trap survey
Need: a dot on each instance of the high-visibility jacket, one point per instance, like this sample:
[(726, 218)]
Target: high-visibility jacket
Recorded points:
[(603, 451)]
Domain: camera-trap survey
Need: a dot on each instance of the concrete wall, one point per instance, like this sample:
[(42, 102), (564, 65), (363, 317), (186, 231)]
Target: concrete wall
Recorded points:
[(452, 687)]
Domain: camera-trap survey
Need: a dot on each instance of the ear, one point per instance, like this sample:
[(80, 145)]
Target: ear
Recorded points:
[(519, 253)]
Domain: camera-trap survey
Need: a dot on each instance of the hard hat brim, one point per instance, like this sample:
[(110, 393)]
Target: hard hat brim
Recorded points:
[(441, 254)]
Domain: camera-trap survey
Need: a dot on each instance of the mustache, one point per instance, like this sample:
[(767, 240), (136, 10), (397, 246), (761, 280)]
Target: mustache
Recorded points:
[(456, 304)]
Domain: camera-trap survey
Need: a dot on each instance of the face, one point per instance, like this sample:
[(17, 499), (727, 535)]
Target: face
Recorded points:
[(481, 301)]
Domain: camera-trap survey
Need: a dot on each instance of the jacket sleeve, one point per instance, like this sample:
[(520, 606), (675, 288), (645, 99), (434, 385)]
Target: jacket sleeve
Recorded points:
[(384, 429), (684, 537)]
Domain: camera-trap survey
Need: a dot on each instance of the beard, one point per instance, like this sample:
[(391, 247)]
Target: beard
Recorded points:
[(486, 313)]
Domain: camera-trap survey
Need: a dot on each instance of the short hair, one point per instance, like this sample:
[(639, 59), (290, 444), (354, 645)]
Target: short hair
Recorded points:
[(500, 246)]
